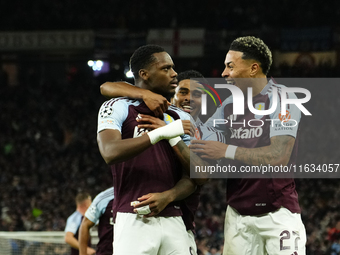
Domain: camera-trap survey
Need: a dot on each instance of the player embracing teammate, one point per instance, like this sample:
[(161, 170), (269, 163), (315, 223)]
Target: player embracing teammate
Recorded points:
[(263, 215)]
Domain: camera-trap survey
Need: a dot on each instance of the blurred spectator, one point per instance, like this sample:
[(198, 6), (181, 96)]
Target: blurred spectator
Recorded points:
[(334, 233), (136, 16)]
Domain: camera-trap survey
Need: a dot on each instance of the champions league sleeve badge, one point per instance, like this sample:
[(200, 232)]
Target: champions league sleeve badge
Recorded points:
[(106, 111)]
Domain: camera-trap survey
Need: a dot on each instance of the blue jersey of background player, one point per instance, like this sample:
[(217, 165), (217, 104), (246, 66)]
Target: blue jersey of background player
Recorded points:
[(83, 201), (99, 212)]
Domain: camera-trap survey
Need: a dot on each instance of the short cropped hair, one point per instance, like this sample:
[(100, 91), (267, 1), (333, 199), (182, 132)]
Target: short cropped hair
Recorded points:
[(189, 74), (143, 57), (81, 197), (253, 48)]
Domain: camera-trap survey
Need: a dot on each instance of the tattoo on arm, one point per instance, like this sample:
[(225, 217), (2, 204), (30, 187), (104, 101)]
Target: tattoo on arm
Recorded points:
[(188, 158), (277, 153), (183, 153)]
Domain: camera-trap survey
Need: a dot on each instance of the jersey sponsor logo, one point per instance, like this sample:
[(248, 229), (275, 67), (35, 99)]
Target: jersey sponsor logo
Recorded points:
[(106, 111), (285, 118), (110, 122), (246, 133), (140, 131)]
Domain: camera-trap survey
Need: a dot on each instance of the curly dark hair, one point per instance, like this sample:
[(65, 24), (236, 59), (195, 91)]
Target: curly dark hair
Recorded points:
[(253, 48), (143, 57)]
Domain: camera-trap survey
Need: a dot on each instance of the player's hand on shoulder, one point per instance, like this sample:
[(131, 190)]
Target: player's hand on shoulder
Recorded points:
[(188, 127), (149, 122), (156, 103), (208, 149)]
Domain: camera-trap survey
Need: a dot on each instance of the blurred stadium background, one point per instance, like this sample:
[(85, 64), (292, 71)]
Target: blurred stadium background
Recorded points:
[(55, 54)]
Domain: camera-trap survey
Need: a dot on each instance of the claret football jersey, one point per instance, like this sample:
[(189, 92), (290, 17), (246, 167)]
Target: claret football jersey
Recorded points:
[(154, 170), (254, 196)]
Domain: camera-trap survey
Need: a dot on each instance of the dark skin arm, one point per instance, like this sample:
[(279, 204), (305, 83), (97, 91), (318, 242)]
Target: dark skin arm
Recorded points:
[(155, 102), (276, 154), (158, 201), (114, 149)]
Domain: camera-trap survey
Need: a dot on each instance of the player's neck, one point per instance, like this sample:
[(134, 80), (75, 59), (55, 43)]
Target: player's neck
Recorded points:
[(81, 210), (258, 84), (143, 85)]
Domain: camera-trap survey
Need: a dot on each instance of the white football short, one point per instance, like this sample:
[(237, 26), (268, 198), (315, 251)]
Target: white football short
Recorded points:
[(135, 235), (276, 233), (192, 243)]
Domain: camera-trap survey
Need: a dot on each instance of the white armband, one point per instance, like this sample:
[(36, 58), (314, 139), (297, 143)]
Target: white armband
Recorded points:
[(166, 132), (174, 141), (143, 210), (230, 152)]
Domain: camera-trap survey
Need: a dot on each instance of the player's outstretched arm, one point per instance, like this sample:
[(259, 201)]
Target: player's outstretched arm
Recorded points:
[(84, 235), (155, 102), (158, 201), (276, 154), (114, 149)]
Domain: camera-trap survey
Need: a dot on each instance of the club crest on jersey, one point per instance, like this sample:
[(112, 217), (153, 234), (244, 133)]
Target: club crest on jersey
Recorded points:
[(106, 111), (139, 131), (167, 118), (260, 107)]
